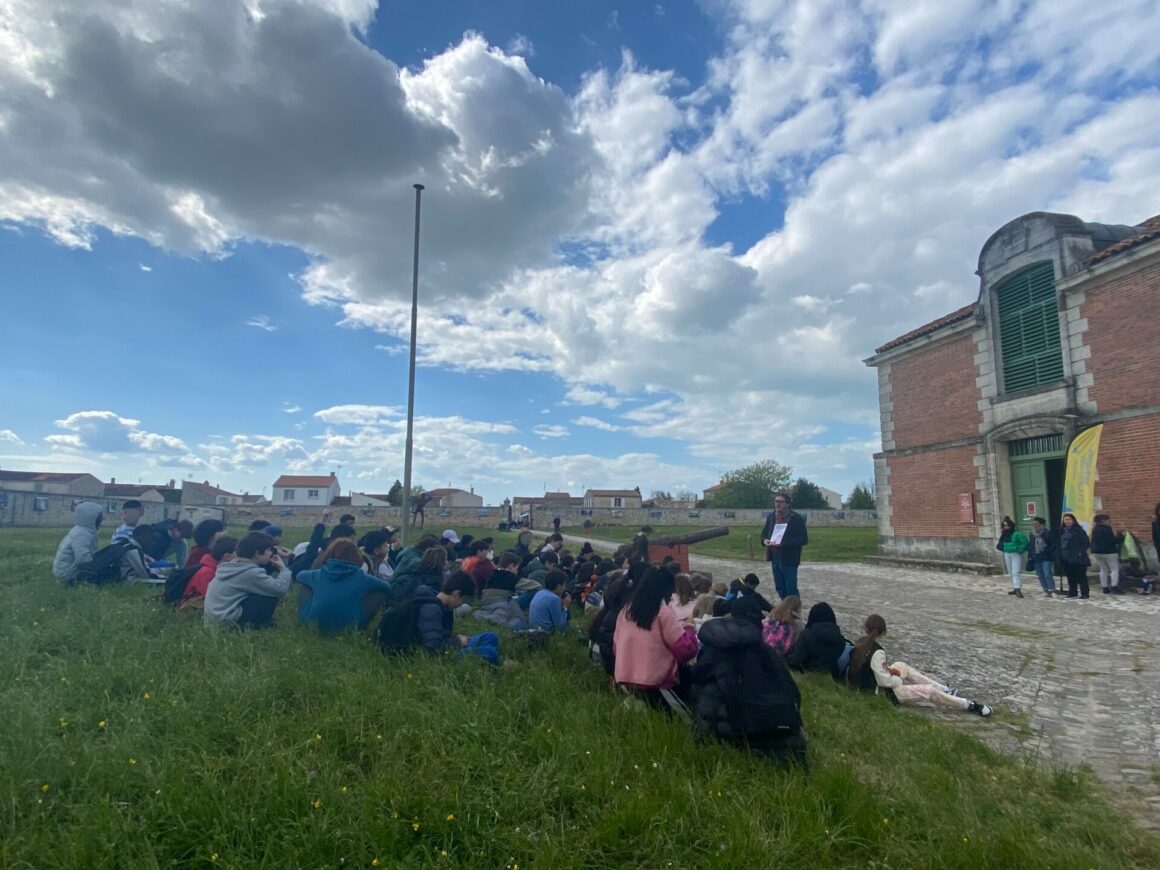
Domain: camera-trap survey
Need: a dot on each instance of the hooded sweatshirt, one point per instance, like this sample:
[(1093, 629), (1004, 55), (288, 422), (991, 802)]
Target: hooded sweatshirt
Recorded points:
[(820, 644), (338, 589), (233, 583), (79, 544)]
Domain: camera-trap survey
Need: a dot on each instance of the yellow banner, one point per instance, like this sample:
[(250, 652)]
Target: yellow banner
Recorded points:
[(1079, 488)]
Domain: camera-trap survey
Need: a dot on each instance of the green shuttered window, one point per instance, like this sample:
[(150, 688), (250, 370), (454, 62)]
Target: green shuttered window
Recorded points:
[(1029, 329)]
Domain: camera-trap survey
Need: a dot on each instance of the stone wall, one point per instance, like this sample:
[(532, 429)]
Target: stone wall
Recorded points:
[(438, 519), (33, 509)]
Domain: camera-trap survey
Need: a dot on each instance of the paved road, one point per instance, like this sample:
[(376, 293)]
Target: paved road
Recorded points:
[(1074, 681)]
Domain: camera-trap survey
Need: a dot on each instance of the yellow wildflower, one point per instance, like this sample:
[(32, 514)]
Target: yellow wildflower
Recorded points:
[(44, 787), (317, 736), (317, 805), (376, 862), (101, 724), (451, 817), (132, 760), (63, 722), (415, 826), (147, 696), (213, 856)]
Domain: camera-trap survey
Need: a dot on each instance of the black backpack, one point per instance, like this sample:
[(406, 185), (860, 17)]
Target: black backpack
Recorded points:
[(105, 566), (764, 698), (176, 582), (398, 631)]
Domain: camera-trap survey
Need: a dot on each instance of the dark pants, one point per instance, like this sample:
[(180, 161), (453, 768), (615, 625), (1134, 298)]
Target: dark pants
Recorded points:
[(258, 611), (1076, 575)]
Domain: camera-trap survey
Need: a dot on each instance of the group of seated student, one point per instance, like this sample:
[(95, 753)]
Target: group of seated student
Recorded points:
[(721, 653)]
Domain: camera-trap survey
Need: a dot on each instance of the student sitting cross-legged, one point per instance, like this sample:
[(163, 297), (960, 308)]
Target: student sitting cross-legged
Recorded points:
[(549, 607), (427, 620), (340, 594), (497, 604), (79, 544), (242, 594)]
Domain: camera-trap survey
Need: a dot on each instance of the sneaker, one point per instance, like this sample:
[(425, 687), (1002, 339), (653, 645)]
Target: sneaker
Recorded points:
[(1105, 589), (1048, 593), (1013, 592), (980, 709), (1018, 593)]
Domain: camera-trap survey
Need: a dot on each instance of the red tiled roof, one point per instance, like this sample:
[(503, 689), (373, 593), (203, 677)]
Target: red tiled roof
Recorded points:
[(42, 476), (212, 490), (129, 489), (1149, 229), (445, 490), (927, 328), (304, 480)]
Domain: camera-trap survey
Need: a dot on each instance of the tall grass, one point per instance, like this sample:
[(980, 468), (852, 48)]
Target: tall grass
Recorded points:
[(134, 737)]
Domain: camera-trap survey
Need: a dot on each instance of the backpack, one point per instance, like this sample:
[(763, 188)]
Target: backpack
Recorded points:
[(176, 582), (763, 698), (105, 566), (398, 630)]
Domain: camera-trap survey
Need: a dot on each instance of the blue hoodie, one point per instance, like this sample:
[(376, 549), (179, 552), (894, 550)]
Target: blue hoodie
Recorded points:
[(337, 592)]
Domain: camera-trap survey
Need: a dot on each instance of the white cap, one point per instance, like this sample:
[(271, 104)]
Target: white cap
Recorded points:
[(449, 535)]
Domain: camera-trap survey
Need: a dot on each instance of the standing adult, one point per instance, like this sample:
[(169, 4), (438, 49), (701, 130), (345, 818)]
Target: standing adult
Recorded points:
[(1041, 554), (1012, 544), (418, 517), (1073, 555), (783, 536), (1105, 553)]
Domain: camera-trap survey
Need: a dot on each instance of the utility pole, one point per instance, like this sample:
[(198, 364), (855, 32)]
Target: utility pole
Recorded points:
[(411, 375)]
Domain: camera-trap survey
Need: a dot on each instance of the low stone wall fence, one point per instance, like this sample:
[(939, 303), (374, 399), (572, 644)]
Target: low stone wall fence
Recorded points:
[(438, 519), (40, 510)]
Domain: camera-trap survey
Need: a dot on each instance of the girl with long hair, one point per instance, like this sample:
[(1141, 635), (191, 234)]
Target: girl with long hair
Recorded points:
[(869, 671), (649, 642), (781, 630)]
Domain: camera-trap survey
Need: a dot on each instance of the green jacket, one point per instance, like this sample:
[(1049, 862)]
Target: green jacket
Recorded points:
[(1017, 543)]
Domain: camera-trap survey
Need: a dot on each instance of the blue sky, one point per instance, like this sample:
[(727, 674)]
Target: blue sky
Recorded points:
[(658, 239)]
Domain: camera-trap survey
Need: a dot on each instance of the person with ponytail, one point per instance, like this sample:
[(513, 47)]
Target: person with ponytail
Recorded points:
[(869, 671)]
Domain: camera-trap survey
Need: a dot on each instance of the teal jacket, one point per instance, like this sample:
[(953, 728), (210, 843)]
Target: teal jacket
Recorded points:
[(1017, 543)]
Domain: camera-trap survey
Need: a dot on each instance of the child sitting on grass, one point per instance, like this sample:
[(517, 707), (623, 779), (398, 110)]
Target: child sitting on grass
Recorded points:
[(869, 671), (242, 594)]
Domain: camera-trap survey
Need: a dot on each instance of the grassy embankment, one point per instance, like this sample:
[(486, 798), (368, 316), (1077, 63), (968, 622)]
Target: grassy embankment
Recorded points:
[(827, 543), (134, 737)]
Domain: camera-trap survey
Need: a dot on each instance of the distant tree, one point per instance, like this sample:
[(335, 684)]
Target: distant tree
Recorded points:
[(395, 493), (686, 495), (861, 499), (660, 495), (752, 486), (807, 495)]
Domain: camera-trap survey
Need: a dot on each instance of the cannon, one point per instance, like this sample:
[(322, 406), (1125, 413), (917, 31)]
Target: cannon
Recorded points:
[(677, 546)]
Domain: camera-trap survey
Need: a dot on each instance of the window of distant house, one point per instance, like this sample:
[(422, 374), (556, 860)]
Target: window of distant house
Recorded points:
[(38, 487), (222, 499), (618, 502), (287, 495), (1029, 328), (312, 493)]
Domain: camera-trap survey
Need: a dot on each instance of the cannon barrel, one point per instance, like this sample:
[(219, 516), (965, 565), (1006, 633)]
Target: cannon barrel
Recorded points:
[(693, 537)]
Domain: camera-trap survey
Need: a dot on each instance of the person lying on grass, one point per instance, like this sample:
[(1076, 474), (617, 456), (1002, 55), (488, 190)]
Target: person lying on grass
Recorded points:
[(242, 594), (340, 594), (869, 671)]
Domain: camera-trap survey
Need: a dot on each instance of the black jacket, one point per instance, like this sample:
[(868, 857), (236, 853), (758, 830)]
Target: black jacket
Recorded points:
[(818, 648), (434, 622), (1103, 540), (1048, 554), (742, 690), (792, 541), (1073, 546)]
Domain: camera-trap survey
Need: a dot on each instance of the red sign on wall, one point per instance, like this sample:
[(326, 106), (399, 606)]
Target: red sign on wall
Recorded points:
[(1030, 509), (966, 507)]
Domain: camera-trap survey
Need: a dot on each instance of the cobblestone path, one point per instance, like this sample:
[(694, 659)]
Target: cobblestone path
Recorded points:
[(1074, 682)]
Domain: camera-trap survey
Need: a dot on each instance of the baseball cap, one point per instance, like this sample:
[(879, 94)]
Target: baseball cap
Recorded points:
[(449, 535), (273, 531)]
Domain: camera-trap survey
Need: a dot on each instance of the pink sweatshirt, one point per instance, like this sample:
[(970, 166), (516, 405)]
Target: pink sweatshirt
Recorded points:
[(643, 658)]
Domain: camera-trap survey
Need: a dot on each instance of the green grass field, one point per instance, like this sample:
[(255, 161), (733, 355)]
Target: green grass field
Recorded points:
[(827, 543), (135, 737)]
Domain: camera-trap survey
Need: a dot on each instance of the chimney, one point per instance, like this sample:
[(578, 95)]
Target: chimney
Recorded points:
[(332, 475), (112, 481), (206, 483), (473, 490), (172, 483)]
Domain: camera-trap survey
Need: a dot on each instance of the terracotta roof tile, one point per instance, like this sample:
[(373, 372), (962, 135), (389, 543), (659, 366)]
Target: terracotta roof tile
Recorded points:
[(927, 328), (322, 480)]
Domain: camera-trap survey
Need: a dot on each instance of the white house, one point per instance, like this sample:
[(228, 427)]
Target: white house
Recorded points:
[(299, 490), (205, 494), (833, 499), (449, 497), (52, 483), (367, 499)]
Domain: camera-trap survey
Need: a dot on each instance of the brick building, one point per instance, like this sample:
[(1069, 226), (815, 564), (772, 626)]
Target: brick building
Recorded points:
[(979, 406)]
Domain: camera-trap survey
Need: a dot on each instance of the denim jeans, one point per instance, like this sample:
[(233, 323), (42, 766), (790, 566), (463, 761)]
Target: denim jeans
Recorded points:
[(484, 646), (784, 577), (1014, 562), (1043, 570)]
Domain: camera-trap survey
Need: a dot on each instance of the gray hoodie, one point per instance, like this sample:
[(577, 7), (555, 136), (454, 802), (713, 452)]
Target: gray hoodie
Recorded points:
[(78, 546), (233, 582)]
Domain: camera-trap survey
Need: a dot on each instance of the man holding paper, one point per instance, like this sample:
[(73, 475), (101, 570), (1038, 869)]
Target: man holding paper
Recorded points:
[(783, 536)]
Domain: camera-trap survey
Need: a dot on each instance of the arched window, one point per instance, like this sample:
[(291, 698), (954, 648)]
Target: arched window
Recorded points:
[(1029, 328)]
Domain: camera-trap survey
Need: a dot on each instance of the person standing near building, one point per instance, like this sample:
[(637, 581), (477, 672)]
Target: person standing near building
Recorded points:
[(1073, 555), (1105, 553), (783, 536), (1041, 554), (1012, 544)]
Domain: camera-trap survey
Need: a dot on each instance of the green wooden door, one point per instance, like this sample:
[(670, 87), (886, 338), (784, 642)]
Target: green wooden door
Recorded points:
[(1029, 487)]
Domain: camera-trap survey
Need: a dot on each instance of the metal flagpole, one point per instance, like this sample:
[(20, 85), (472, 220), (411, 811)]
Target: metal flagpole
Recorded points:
[(411, 376)]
